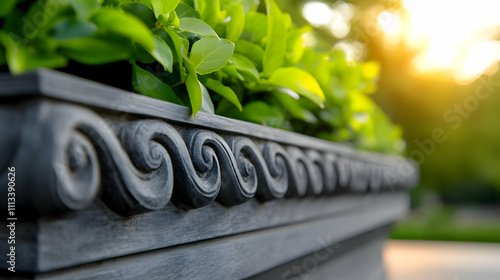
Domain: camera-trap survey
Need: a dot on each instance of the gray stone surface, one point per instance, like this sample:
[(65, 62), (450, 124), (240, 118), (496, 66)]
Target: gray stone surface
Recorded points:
[(137, 163), (114, 185)]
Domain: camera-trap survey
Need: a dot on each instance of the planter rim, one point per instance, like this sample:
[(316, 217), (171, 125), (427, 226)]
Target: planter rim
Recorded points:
[(81, 145), (118, 134)]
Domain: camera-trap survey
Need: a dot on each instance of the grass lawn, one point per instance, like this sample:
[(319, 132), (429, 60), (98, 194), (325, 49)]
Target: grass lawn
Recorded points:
[(443, 223)]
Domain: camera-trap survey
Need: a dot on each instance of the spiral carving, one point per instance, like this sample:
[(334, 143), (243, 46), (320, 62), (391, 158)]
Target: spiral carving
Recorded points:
[(66, 166), (308, 176), (151, 166), (144, 164), (276, 177), (330, 172), (139, 181), (196, 172), (343, 166), (77, 172), (247, 165), (79, 157), (359, 176), (376, 178)]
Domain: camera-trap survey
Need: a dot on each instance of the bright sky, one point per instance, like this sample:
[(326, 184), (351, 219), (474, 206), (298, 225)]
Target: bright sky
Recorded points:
[(457, 38), (335, 17)]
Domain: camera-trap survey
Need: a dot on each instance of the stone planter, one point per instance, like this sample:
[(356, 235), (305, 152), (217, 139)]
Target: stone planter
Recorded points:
[(115, 185)]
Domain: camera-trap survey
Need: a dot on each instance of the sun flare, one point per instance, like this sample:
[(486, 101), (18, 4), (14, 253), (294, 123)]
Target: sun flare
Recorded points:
[(455, 37)]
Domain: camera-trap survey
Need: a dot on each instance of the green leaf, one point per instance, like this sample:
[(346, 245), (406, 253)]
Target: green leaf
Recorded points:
[(144, 82), (72, 29), (144, 2), (196, 26), (163, 20), (210, 54), (250, 50), (249, 5), (231, 70), (143, 12), (245, 67), (299, 81), (195, 94), (294, 45), (181, 48), (206, 102), (6, 6), (257, 25), (263, 113), (224, 91), (190, 3), (83, 8), (162, 53), (185, 11), (274, 54), (36, 20), (15, 23), (142, 55), (21, 59), (163, 7), (174, 20), (209, 11), (193, 87), (101, 49), (124, 24), (293, 106), (236, 23)]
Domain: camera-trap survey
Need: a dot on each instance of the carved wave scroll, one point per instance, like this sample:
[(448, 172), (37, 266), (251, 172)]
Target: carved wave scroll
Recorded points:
[(141, 165)]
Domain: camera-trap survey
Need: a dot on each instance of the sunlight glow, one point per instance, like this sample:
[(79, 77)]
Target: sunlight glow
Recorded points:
[(334, 17), (317, 13), (390, 23), (347, 10), (478, 60), (449, 36), (309, 40), (353, 51), (339, 26)]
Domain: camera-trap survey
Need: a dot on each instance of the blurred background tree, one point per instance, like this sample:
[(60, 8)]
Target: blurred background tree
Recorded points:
[(439, 78)]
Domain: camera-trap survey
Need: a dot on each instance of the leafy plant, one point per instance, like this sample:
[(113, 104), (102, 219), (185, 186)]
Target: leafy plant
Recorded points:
[(244, 56)]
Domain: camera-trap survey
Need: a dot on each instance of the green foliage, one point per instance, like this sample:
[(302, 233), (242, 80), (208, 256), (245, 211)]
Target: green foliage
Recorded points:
[(127, 25), (193, 86), (300, 82), (146, 83), (250, 64), (6, 6), (209, 11), (444, 223), (277, 27), (210, 54), (161, 7), (224, 91), (95, 50), (196, 26)]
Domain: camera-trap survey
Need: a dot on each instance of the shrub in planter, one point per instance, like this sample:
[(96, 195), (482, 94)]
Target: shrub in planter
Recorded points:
[(112, 174), (238, 58)]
